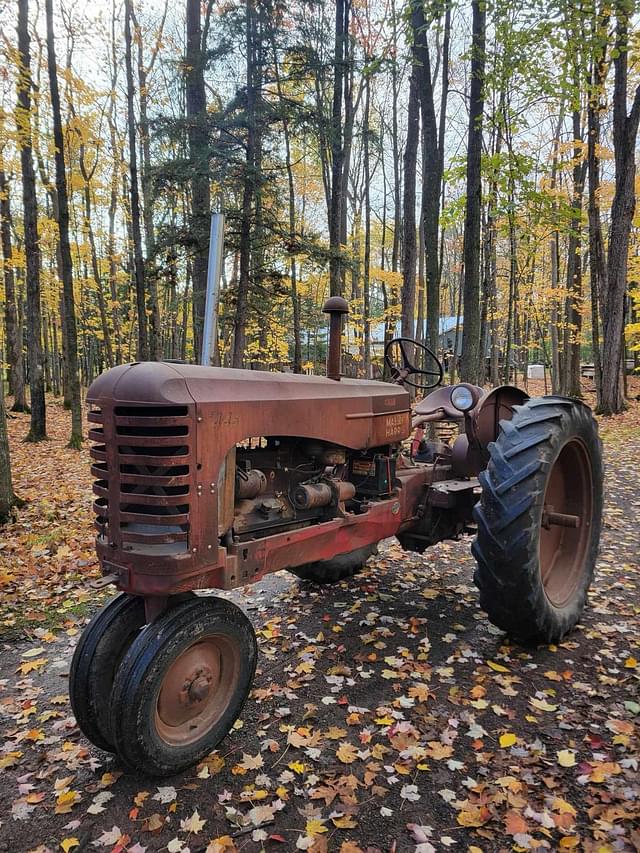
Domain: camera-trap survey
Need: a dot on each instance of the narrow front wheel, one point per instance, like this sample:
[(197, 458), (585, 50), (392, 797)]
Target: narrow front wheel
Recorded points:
[(101, 647), (182, 685)]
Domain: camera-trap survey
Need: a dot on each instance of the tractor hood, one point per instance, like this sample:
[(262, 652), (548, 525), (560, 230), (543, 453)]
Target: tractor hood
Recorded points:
[(181, 384)]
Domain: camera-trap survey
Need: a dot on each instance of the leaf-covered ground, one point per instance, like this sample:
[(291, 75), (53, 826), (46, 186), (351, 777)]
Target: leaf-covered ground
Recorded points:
[(387, 714)]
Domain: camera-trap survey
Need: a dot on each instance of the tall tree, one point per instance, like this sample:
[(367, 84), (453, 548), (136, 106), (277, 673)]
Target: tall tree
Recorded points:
[(38, 427), (7, 497), (136, 232), (409, 206), (433, 155), (13, 325), (251, 177), (469, 362), (199, 156), (625, 132), (338, 205), (66, 264), (597, 256)]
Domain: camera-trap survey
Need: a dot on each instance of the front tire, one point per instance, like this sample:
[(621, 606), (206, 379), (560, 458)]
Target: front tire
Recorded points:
[(539, 519), (182, 685), (101, 647)]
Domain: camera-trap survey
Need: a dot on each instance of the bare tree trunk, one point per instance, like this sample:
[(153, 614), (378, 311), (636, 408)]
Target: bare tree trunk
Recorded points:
[(293, 241), (471, 327), (199, 156), (12, 321), (66, 264), (249, 189), (625, 131), (367, 231), (155, 334), (38, 428), (395, 143), (432, 166), (336, 273), (597, 257), (409, 208), (7, 497), (554, 251), (138, 260), (570, 364)]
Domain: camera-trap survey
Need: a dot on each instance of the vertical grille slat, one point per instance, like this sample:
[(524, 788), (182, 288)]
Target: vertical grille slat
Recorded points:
[(99, 470), (151, 477)]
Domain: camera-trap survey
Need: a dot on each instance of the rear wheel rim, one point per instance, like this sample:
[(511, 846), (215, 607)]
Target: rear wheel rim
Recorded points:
[(566, 522), (196, 690)]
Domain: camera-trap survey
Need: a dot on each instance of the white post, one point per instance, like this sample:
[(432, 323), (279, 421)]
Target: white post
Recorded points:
[(214, 273)]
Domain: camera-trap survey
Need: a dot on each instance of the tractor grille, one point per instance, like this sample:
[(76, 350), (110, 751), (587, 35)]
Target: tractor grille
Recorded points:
[(141, 462)]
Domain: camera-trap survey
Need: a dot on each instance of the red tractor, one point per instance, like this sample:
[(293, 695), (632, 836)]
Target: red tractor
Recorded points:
[(211, 478)]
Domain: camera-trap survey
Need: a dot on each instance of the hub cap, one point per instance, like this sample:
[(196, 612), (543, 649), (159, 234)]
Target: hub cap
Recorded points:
[(566, 522), (196, 689)]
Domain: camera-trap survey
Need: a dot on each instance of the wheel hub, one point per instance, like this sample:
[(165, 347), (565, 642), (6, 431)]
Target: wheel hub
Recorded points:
[(197, 686), (565, 522), (195, 689)]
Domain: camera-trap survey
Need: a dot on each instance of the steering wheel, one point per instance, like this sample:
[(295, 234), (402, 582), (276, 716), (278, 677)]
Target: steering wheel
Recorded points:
[(401, 374)]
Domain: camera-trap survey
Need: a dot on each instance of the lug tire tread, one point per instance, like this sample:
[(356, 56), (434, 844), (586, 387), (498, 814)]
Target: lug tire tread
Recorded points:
[(508, 518)]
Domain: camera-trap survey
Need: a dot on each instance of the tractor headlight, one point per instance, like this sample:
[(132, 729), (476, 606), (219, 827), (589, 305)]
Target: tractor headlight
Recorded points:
[(462, 398)]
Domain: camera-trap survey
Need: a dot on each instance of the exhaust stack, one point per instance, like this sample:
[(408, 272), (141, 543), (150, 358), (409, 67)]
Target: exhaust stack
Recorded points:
[(335, 306)]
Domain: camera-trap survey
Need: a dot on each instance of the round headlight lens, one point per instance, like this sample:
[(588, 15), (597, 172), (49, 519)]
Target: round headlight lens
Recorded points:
[(462, 398)]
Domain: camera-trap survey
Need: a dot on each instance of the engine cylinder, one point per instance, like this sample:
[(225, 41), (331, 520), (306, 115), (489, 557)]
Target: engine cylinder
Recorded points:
[(250, 484), (311, 495)]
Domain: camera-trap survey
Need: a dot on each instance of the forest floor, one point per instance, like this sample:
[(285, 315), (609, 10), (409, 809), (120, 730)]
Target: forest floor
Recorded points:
[(387, 713)]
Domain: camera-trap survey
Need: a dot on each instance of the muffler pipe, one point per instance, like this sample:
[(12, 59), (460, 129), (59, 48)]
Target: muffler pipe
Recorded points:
[(335, 306)]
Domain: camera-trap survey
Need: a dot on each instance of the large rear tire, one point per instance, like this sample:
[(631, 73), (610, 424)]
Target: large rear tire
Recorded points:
[(539, 519), (337, 569)]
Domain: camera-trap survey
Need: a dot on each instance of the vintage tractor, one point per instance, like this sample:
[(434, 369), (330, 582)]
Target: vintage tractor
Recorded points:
[(211, 478)]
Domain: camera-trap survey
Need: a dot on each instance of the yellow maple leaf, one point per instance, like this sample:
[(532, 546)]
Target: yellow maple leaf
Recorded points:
[(192, 824), (66, 800), (335, 733), (32, 665), (345, 822), (223, 844), (34, 735), (438, 750), (69, 843), (315, 827), (475, 816), (631, 663), (9, 760), (566, 758), (297, 767), (507, 739), (542, 705), (562, 806), (346, 753)]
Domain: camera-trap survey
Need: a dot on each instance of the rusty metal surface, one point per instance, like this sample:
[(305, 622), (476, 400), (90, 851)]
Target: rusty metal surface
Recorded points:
[(162, 433), (493, 407), (335, 306), (195, 691), (565, 523)]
